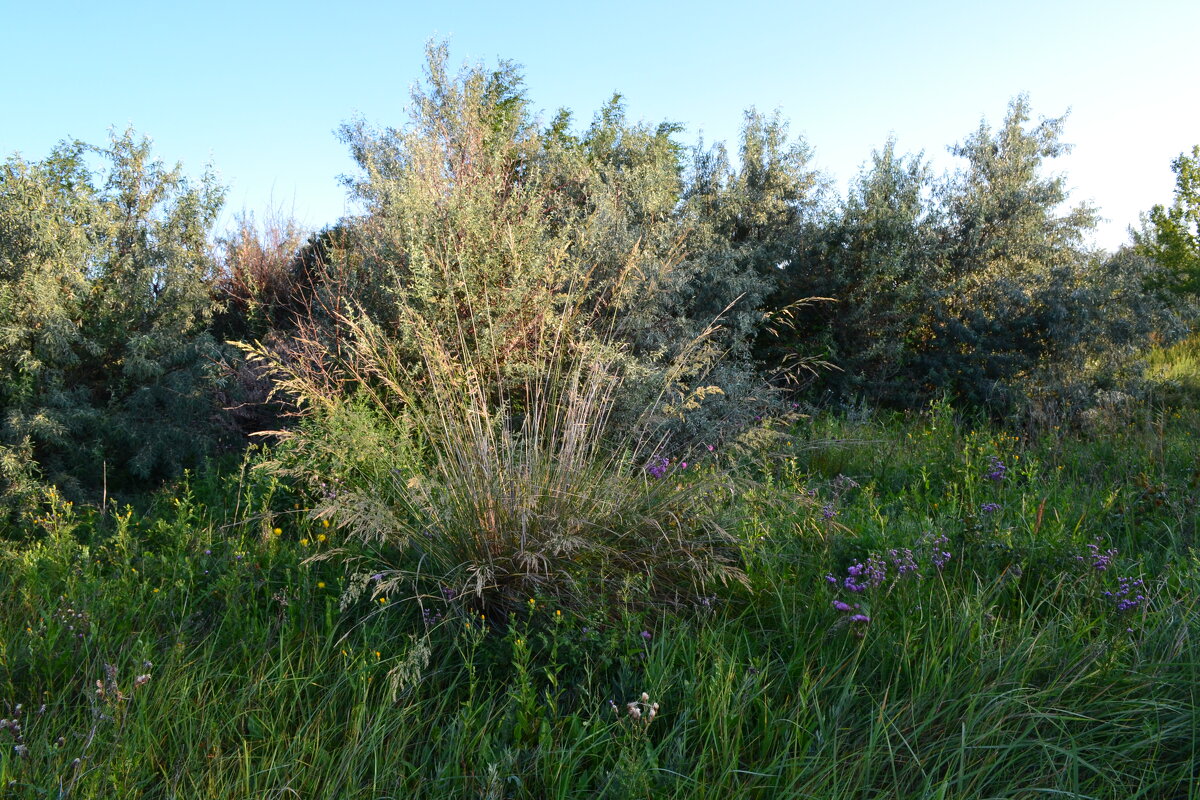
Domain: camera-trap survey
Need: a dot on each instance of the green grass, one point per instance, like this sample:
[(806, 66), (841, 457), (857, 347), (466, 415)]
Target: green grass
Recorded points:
[(1006, 673), (1175, 371)]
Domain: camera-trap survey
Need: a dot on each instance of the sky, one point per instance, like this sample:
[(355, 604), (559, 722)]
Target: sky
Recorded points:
[(259, 89)]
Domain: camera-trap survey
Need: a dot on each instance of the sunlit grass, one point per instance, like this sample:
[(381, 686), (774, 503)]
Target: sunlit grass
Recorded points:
[(1006, 672)]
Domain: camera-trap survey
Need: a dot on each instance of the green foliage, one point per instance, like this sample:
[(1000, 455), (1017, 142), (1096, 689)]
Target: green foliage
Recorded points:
[(498, 498), (980, 287), (105, 296), (456, 228), (747, 221), (1174, 372), (1009, 299), (474, 212), (878, 261), (1005, 673), (1171, 236)]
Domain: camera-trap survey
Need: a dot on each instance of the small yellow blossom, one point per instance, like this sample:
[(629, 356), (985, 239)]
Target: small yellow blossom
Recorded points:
[(320, 584), (382, 600), (321, 537), (325, 523), (304, 542), (278, 531)]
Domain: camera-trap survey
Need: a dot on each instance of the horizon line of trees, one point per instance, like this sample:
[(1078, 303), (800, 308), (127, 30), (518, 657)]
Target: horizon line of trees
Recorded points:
[(115, 309)]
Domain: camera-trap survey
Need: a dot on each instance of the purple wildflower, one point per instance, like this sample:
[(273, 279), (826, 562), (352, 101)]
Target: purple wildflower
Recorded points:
[(935, 549), (904, 561), (658, 466), (875, 571), (828, 511), (863, 618), (989, 508), (996, 469), (1130, 594), (1101, 561), (646, 635), (843, 607)]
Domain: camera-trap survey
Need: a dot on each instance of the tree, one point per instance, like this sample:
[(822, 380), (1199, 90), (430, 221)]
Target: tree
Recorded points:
[(106, 292), (1171, 236), (879, 262), (482, 225), (1008, 300)]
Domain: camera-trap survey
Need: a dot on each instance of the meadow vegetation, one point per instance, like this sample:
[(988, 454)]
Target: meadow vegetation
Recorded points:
[(587, 466)]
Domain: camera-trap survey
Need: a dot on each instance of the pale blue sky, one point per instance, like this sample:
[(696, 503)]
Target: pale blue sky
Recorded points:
[(258, 89)]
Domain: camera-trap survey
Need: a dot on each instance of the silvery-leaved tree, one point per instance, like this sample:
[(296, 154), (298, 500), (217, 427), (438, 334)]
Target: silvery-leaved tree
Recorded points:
[(106, 365), (485, 225), (877, 258), (1011, 298)]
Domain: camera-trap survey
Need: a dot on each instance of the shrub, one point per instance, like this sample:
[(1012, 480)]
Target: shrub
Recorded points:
[(498, 499), (105, 297)]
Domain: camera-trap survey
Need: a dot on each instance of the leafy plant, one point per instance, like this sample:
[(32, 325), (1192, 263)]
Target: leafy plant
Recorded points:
[(106, 365)]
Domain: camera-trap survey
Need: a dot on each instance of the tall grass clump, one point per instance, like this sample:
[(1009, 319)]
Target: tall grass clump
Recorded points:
[(462, 490), (486, 422)]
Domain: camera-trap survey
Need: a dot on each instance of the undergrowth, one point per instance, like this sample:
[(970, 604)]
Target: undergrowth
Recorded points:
[(956, 613)]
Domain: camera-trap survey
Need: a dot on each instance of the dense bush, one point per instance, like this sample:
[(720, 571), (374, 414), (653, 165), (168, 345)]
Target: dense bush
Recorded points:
[(106, 365), (718, 278), (980, 286)]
